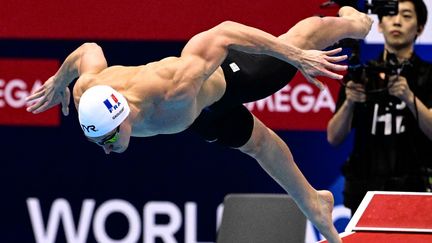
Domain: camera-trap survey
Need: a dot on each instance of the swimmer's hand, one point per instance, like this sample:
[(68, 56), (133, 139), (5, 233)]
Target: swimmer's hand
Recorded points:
[(48, 95), (313, 63)]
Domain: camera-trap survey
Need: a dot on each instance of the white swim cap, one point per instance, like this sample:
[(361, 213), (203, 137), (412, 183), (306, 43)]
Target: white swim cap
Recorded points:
[(101, 109)]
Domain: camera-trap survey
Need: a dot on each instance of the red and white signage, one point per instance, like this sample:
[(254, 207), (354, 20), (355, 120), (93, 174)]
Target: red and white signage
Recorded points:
[(298, 106), (18, 78), (145, 19)]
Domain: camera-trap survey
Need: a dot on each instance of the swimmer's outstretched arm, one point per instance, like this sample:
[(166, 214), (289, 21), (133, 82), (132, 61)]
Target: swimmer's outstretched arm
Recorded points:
[(88, 58), (211, 47)]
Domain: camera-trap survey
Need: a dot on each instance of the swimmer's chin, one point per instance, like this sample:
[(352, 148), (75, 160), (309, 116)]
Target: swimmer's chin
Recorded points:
[(120, 150)]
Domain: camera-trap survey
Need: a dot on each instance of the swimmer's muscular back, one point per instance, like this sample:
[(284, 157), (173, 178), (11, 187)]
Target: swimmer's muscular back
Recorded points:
[(161, 100)]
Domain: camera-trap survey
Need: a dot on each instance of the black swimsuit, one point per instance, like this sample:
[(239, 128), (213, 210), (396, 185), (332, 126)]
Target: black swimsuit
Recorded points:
[(249, 77)]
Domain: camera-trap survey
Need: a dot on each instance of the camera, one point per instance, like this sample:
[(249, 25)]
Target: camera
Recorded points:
[(374, 75)]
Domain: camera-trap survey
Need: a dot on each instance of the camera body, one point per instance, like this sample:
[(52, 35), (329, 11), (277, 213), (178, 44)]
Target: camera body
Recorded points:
[(374, 75), (360, 73)]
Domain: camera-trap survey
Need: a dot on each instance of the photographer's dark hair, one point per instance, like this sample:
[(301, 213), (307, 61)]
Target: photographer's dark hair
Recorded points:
[(421, 12)]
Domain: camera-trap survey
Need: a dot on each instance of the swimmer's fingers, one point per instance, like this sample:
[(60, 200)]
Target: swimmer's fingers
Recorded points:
[(335, 59), (315, 63), (333, 51), (314, 81), (65, 100), (36, 100), (330, 74), (332, 60), (36, 94), (47, 96)]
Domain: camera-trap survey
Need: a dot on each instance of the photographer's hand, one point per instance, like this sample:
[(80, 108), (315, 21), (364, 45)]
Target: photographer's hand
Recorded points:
[(355, 92), (398, 86), (339, 125)]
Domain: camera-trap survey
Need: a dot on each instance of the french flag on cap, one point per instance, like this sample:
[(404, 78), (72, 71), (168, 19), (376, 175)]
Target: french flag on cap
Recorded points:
[(112, 103)]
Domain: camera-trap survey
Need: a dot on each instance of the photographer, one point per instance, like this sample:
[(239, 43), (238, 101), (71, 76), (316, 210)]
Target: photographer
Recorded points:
[(389, 104)]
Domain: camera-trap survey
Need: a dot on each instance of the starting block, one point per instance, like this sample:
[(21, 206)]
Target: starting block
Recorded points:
[(397, 217)]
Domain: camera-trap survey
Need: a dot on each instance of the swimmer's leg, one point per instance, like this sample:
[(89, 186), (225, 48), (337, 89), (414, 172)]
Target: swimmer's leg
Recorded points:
[(319, 33), (276, 159)]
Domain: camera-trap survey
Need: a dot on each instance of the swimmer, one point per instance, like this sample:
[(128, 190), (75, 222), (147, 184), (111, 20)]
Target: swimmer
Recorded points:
[(203, 90)]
